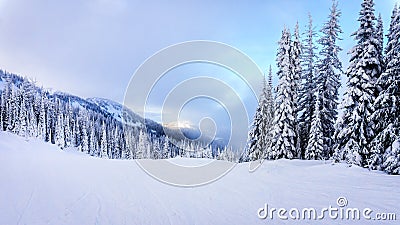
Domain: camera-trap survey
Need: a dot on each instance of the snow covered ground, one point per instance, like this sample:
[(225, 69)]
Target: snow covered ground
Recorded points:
[(41, 184)]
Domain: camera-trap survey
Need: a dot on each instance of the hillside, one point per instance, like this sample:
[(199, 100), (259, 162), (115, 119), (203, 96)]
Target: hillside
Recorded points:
[(41, 184)]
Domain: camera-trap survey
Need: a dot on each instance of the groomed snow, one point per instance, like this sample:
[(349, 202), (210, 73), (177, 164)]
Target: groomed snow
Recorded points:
[(41, 184)]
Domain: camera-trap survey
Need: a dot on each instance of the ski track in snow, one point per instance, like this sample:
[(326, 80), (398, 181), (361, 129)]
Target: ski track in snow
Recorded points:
[(41, 184), (27, 205)]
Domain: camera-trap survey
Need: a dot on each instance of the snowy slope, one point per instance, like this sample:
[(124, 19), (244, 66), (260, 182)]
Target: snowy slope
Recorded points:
[(115, 109), (127, 116), (41, 184)]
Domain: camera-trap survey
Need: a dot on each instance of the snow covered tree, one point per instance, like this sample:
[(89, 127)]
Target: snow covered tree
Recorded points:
[(379, 36), (208, 152), (42, 117), (5, 94), (142, 146), (295, 55), (49, 122), (307, 89), (283, 144), (384, 147), (329, 69), (129, 142), (165, 150), (391, 162), (67, 124), (315, 147), (84, 134), (156, 150), (59, 136), (103, 142), (5, 103), (260, 133), (364, 69), (76, 139), (93, 148), (22, 120), (116, 145), (295, 59), (12, 107), (32, 122)]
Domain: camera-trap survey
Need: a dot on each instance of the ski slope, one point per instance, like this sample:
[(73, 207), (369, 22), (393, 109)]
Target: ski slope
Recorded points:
[(41, 184)]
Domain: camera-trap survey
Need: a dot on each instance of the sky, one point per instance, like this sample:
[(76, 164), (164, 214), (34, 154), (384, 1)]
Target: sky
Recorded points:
[(92, 48)]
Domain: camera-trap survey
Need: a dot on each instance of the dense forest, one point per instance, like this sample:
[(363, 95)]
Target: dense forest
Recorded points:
[(302, 120)]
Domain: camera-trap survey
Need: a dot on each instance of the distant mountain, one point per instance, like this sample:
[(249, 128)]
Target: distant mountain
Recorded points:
[(127, 116)]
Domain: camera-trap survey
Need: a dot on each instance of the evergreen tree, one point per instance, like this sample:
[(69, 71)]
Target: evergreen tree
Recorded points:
[(315, 146), (129, 142), (156, 150), (284, 133), (42, 117), (259, 135), (208, 152), (32, 122), (84, 134), (142, 145), (379, 36), (307, 91), (103, 143), (392, 158), (116, 149), (67, 124), (76, 139), (22, 123), (364, 69), (269, 116), (295, 56), (384, 147), (5, 104), (165, 150), (12, 114), (93, 141), (329, 69), (60, 138), (49, 121)]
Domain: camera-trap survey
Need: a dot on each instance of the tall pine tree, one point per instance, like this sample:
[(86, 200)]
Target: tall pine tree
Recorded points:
[(260, 133), (284, 133), (385, 146), (315, 145), (295, 56), (329, 69), (307, 91), (364, 69)]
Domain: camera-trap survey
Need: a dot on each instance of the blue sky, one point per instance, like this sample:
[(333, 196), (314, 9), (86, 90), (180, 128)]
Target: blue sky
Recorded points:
[(92, 48)]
